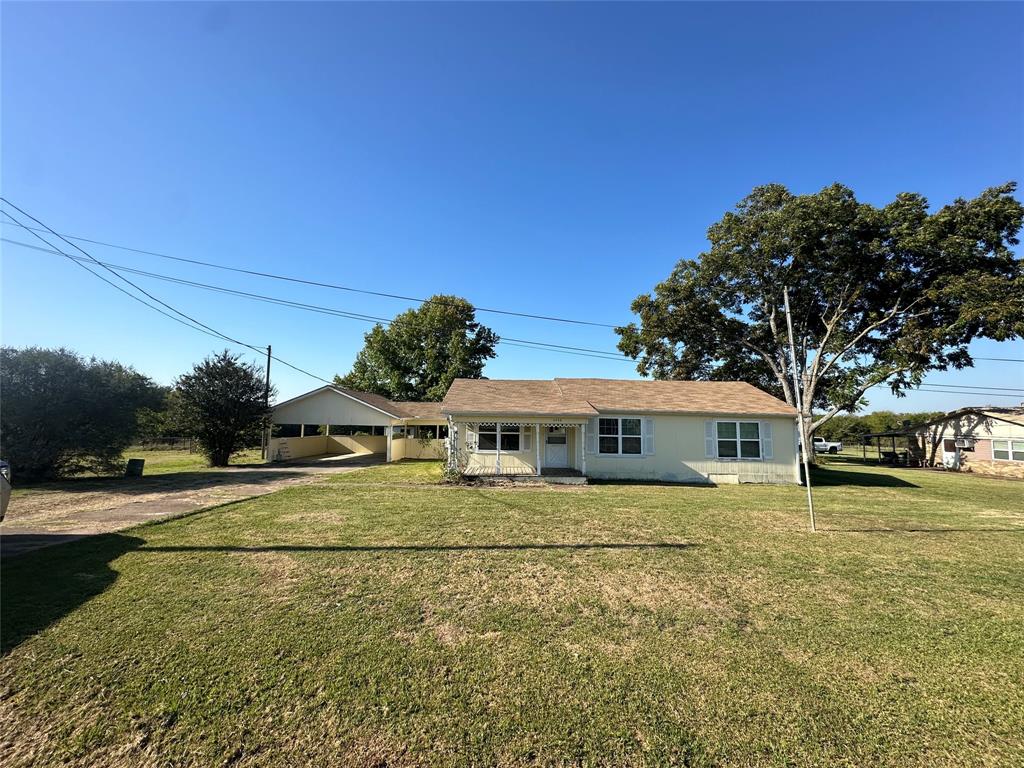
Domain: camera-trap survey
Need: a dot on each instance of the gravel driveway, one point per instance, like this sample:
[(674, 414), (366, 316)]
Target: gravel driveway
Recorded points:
[(41, 517)]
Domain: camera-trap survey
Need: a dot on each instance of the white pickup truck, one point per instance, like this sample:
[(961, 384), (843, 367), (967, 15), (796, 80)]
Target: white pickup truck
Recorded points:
[(821, 445)]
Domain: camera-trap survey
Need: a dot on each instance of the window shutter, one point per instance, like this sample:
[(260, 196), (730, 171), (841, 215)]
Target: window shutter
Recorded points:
[(527, 437), (592, 436), (648, 437), (766, 440), (709, 440)]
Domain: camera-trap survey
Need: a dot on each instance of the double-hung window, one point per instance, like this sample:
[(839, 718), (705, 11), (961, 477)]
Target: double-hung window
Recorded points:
[(619, 436), (738, 439), (1008, 450), (490, 436)]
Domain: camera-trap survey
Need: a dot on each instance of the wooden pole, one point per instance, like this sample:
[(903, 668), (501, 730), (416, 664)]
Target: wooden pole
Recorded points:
[(799, 409), (265, 440)]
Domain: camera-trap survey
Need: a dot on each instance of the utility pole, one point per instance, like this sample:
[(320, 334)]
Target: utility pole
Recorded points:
[(265, 442), (798, 394)]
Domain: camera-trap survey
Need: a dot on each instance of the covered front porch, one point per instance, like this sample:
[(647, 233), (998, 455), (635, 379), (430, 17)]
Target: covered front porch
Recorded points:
[(504, 447)]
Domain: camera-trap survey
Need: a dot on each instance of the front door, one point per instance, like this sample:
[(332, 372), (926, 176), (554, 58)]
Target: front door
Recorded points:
[(556, 448)]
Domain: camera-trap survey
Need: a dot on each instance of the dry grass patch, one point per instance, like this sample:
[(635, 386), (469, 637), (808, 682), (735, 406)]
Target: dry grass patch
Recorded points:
[(403, 623)]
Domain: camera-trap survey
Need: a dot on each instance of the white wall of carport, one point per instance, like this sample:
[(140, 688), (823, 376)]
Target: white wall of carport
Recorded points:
[(329, 407)]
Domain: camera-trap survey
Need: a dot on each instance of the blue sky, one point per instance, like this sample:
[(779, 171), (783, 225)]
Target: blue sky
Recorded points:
[(550, 159)]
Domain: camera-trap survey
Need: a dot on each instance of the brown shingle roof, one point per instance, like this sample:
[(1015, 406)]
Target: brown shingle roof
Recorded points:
[(527, 397), (586, 397), (379, 402), (675, 396), (403, 409), (419, 410)]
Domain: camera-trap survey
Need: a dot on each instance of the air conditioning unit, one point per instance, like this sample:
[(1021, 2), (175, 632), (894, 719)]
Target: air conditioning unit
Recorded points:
[(965, 442)]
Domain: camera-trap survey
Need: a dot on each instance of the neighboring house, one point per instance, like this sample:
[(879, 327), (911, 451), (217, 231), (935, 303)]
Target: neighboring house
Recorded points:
[(677, 431), (988, 439), (334, 420)]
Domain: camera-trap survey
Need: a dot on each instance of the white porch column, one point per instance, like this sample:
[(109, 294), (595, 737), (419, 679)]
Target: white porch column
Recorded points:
[(302, 430), (497, 449), (538, 432), (583, 449), (388, 431)]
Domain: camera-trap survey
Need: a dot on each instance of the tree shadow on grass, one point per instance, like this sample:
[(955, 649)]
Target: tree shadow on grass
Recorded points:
[(166, 482), (923, 530), (825, 477), (417, 547), (41, 587)]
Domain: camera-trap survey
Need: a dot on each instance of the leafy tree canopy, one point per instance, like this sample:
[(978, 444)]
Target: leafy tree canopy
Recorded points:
[(878, 295), (423, 351), (63, 414), (221, 404)]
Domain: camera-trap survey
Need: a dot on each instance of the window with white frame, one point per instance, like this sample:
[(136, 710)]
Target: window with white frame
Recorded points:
[(620, 436), (738, 439), (1008, 450), (490, 436)]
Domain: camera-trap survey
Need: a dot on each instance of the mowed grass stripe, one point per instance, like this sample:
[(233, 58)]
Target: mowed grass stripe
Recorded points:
[(379, 619)]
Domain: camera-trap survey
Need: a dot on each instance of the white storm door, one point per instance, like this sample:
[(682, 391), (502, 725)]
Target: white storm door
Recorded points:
[(556, 449)]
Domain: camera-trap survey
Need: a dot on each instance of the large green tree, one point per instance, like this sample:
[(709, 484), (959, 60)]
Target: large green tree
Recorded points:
[(878, 295), (220, 403), (63, 414), (422, 351)]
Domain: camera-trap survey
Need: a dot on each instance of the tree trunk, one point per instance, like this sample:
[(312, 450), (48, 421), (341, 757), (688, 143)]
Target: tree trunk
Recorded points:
[(806, 439), (219, 458)]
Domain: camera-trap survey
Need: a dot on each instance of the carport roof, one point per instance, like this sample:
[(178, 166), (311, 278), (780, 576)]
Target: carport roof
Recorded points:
[(396, 410)]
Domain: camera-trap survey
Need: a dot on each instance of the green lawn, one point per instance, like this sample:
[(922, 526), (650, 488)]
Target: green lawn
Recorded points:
[(158, 462), (162, 462), (378, 619)]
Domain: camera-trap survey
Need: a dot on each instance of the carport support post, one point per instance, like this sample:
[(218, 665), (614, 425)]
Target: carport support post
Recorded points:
[(389, 430)]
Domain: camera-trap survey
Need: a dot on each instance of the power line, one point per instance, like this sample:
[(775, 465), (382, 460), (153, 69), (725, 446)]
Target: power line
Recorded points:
[(1001, 359), (587, 351), (966, 392), (129, 294), (319, 284), (974, 386), (198, 326), (332, 311), (120, 276)]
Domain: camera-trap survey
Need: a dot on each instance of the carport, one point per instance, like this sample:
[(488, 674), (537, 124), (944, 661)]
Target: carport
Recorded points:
[(332, 421)]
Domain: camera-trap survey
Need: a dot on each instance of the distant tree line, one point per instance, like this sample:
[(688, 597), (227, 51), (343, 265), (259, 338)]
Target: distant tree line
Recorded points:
[(63, 414), (851, 428)]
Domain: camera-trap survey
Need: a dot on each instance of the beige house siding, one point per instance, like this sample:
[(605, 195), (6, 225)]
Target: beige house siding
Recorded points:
[(414, 448), (321, 445), (521, 462), (679, 454), (297, 447), (357, 444)]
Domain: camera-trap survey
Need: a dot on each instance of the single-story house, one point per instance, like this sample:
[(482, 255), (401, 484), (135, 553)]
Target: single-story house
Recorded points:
[(335, 420), (676, 431), (988, 439)]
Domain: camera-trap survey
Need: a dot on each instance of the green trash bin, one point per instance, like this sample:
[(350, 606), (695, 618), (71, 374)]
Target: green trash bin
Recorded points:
[(134, 468)]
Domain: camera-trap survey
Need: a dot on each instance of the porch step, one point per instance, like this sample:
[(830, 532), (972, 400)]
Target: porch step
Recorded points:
[(577, 479)]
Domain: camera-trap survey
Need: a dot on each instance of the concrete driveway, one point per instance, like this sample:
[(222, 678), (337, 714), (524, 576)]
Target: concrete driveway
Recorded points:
[(74, 509)]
